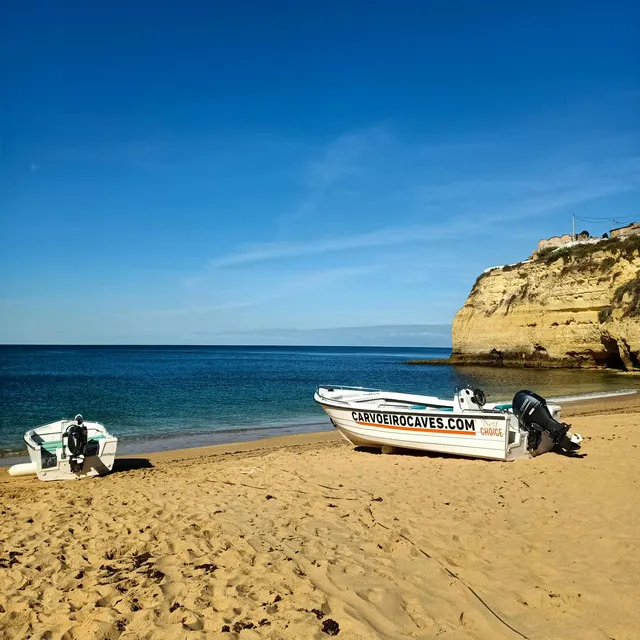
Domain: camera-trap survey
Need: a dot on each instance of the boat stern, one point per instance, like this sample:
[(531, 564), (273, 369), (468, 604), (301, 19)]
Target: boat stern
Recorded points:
[(51, 459)]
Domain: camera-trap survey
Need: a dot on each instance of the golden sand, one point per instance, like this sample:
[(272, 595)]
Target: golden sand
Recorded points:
[(304, 538)]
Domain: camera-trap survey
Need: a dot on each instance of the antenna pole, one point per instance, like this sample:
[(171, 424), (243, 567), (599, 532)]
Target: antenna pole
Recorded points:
[(573, 226)]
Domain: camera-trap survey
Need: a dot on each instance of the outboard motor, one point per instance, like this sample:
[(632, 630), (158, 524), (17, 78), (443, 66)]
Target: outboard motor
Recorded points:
[(76, 435), (534, 416)]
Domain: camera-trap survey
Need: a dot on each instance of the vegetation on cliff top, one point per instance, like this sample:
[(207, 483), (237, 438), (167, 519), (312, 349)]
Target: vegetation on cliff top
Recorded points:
[(578, 257), (624, 247)]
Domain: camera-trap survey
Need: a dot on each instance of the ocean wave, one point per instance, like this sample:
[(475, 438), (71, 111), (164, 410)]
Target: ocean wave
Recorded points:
[(593, 396)]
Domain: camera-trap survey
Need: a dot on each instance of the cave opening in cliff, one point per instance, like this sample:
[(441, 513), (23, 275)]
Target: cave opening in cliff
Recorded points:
[(611, 355)]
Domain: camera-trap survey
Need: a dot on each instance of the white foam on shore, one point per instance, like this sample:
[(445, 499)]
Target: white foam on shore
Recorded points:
[(593, 396)]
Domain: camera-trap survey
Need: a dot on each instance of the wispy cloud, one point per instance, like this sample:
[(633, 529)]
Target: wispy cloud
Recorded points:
[(508, 200), (275, 251), (340, 159), (253, 296), (381, 238), (381, 335)]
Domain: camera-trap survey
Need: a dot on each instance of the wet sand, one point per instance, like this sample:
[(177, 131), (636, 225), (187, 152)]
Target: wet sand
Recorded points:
[(305, 537)]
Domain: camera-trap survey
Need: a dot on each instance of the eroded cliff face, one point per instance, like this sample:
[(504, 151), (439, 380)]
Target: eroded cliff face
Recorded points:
[(572, 307)]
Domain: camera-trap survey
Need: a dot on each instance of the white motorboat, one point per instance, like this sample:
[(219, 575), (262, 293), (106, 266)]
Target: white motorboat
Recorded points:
[(68, 450), (466, 425)]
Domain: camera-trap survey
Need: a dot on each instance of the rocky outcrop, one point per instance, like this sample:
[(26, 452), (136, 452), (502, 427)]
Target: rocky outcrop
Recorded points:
[(576, 306)]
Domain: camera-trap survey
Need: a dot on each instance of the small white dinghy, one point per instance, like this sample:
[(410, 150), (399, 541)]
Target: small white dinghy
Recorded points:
[(68, 450), (464, 426)]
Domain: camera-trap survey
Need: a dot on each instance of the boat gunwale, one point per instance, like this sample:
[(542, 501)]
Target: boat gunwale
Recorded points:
[(31, 444), (489, 414)]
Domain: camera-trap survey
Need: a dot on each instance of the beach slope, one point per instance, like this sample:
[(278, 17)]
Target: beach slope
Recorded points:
[(305, 537)]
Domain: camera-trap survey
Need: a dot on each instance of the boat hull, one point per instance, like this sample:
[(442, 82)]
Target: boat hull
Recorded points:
[(51, 459), (493, 434)]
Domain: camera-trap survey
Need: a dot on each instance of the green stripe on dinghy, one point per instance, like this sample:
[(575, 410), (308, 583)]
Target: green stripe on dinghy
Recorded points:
[(503, 406)]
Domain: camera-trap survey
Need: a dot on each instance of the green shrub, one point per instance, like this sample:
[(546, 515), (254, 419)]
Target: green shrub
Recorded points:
[(511, 267), (543, 253), (631, 288), (607, 263), (604, 315), (626, 246), (479, 279)]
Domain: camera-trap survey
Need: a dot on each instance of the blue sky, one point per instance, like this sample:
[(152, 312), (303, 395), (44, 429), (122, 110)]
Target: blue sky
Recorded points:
[(251, 172)]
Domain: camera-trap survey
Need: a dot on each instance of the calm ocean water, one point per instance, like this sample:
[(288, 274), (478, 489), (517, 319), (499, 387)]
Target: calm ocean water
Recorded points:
[(156, 398)]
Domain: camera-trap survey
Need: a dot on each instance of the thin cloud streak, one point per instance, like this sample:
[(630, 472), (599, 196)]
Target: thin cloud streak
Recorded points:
[(438, 335), (300, 284), (342, 158), (273, 251), (581, 184)]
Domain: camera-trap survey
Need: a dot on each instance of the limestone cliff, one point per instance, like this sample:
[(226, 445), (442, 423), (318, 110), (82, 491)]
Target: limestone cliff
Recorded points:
[(576, 306)]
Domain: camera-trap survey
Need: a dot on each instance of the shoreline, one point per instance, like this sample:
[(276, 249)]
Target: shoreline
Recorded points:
[(249, 447), (598, 404), (138, 448), (611, 405), (137, 445), (542, 364)]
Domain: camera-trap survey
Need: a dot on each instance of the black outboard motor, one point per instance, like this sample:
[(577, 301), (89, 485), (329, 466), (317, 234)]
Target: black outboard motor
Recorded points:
[(533, 415), (76, 436)]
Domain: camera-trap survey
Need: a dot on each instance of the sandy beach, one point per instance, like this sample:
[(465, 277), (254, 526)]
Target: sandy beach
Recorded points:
[(304, 537)]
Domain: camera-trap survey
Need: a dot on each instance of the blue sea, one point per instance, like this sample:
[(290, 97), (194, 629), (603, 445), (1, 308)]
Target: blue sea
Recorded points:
[(156, 398)]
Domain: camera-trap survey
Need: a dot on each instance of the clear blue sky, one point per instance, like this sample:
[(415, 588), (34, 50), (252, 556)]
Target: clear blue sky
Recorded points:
[(230, 172)]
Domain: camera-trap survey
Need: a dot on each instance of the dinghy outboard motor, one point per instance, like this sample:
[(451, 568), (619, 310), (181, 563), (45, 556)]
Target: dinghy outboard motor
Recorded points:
[(534, 416), (76, 435)]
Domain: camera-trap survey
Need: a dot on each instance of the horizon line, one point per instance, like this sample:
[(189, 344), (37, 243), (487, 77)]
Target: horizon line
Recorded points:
[(301, 346)]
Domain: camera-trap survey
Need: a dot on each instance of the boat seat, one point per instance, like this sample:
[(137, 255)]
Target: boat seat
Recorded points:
[(431, 407), (52, 445)]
